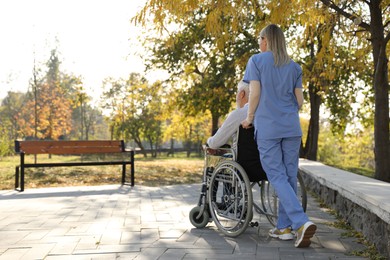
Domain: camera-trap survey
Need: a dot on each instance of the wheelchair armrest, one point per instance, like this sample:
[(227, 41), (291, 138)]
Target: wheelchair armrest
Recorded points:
[(219, 151)]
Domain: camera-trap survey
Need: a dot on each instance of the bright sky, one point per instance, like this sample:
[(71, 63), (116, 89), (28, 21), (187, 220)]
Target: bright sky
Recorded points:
[(95, 40)]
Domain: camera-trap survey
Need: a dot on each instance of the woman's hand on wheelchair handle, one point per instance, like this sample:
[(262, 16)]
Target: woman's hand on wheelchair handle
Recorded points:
[(245, 124)]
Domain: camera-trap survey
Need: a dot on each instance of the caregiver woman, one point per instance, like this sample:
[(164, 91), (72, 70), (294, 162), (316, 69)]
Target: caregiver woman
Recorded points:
[(275, 83)]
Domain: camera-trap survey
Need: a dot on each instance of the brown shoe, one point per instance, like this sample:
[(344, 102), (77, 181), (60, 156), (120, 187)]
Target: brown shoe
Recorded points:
[(304, 234)]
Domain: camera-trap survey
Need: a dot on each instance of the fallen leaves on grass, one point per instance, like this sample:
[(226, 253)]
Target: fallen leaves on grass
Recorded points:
[(166, 172)]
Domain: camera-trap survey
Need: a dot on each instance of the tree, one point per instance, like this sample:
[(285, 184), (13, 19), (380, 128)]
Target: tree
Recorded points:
[(6, 143), (134, 107), (331, 75), (80, 103), (10, 106), (151, 111), (52, 119), (204, 69), (84, 115), (373, 17), (54, 115), (191, 130), (302, 14), (35, 84)]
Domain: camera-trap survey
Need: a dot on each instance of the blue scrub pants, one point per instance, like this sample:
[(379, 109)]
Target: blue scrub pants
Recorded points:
[(279, 158)]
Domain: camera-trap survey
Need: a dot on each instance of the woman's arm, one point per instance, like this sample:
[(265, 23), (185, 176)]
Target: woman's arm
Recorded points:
[(299, 95), (254, 97)]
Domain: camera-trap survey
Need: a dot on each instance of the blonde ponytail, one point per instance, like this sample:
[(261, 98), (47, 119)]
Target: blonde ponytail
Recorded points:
[(276, 43)]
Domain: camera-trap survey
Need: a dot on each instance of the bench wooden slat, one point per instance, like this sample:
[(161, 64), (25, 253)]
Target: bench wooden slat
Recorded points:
[(71, 150), (74, 142), (69, 147)]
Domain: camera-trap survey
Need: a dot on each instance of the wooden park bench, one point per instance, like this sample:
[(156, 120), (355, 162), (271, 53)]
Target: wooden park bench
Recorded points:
[(71, 148)]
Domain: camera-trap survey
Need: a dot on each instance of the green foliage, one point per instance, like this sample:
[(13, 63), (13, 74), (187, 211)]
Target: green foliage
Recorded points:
[(135, 108), (10, 108), (328, 148), (204, 70), (352, 152), (85, 117), (6, 144)]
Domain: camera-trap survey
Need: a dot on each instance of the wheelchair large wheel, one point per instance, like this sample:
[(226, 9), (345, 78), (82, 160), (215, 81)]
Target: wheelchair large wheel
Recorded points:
[(230, 198), (270, 200)]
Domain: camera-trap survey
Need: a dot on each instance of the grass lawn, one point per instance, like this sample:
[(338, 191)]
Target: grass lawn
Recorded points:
[(148, 171)]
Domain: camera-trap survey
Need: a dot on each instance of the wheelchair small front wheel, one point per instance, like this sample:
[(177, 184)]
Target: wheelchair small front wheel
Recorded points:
[(200, 222)]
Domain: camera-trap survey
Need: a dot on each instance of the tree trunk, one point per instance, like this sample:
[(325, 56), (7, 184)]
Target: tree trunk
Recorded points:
[(214, 120), (139, 143), (381, 121), (188, 142), (112, 131), (153, 148), (188, 145), (311, 146), (171, 148), (199, 148), (381, 91)]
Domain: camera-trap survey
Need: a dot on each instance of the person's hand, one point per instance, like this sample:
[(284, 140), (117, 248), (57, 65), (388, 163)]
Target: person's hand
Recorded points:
[(245, 124)]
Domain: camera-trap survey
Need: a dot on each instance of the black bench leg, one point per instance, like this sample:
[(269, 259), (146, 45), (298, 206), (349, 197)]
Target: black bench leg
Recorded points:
[(22, 172), (123, 173), (22, 179), (132, 168), (16, 177)]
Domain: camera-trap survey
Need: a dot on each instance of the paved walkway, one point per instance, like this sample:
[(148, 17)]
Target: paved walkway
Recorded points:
[(114, 222)]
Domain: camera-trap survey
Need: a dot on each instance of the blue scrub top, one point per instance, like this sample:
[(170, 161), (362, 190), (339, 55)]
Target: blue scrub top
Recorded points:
[(277, 115)]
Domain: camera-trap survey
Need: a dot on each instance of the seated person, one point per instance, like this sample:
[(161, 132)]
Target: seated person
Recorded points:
[(229, 128), (245, 147)]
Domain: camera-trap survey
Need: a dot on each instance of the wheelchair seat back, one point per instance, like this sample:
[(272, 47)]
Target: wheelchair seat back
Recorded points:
[(248, 155)]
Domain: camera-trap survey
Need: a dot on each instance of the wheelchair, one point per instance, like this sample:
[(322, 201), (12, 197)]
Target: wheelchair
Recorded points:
[(226, 196)]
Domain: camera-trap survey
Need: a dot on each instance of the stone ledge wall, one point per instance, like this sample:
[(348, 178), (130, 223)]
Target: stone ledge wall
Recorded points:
[(374, 229)]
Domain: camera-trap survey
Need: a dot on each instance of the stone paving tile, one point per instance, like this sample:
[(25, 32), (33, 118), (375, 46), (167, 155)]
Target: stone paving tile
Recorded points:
[(129, 237), (113, 248), (114, 222), (270, 253), (220, 255), (85, 257), (39, 252), (351, 244), (172, 233), (150, 253), (173, 254), (64, 248), (14, 253)]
